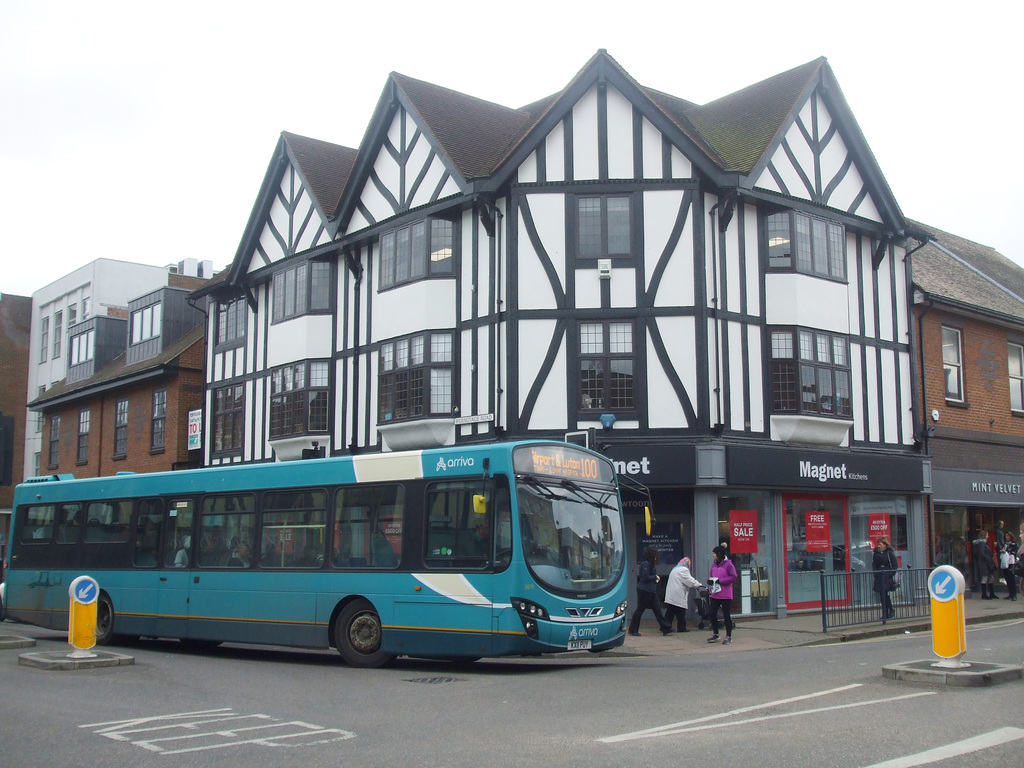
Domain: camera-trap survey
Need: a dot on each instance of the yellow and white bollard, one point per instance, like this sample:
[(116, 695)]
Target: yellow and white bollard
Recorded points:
[(84, 593), (946, 586)]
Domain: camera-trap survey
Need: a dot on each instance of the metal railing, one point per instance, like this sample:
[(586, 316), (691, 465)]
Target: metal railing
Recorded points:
[(850, 598)]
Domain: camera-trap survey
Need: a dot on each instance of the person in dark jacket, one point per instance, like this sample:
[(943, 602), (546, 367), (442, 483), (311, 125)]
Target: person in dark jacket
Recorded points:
[(985, 563), (647, 594), (884, 563)]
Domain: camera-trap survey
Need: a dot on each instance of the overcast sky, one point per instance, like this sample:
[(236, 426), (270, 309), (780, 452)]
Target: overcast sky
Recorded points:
[(140, 132)]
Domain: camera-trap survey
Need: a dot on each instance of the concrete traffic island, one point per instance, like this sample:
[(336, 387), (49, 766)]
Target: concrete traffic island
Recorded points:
[(13, 641), (65, 660), (972, 674)]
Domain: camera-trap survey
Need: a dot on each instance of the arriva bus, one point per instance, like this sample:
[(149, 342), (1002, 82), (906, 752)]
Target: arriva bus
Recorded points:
[(458, 553)]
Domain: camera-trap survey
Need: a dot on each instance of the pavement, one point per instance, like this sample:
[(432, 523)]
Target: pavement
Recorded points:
[(799, 629), (749, 634)]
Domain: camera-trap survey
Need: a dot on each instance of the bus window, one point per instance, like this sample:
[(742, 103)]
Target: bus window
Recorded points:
[(457, 535), (108, 521), (294, 529), (227, 524), (147, 533), (36, 524), (69, 523), (368, 527), (179, 535)]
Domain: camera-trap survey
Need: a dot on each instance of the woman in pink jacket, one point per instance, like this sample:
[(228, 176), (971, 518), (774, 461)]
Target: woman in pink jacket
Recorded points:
[(723, 575)]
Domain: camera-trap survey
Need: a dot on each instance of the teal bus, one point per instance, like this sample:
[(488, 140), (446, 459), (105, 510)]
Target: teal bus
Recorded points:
[(459, 553)]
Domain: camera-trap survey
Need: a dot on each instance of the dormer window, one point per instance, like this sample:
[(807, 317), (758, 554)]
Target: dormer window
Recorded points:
[(83, 347), (231, 321), (422, 249), (146, 323), (302, 289), (801, 243)]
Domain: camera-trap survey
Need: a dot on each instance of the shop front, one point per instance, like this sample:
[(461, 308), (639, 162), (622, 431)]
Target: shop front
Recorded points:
[(965, 502), (786, 514), (826, 512)]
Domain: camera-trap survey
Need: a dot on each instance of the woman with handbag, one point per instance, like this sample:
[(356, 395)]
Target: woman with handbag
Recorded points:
[(884, 564)]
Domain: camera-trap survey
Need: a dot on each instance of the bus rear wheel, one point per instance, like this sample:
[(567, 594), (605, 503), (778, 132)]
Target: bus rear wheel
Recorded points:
[(104, 620), (357, 635)]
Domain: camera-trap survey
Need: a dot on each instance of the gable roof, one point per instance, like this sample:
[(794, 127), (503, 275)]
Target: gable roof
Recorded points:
[(482, 142), (744, 125), (473, 133), (960, 272), (325, 168)]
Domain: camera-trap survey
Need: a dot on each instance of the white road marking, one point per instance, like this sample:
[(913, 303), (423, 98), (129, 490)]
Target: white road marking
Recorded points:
[(208, 729), (703, 723), (956, 749)]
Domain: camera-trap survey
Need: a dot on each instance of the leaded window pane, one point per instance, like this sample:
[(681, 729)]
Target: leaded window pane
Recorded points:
[(440, 246), (620, 338), (591, 339), (441, 348), (618, 226), (589, 226)]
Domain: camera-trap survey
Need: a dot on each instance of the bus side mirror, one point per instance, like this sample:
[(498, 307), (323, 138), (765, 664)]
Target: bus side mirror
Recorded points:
[(648, 520), (479, 504)]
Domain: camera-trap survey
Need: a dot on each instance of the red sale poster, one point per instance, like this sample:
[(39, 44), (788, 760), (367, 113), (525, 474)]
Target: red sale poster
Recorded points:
[(819, 532), (878, 525), (743, 531)]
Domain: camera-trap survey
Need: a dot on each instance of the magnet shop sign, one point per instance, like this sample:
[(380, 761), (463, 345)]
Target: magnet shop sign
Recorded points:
[(743, 531)]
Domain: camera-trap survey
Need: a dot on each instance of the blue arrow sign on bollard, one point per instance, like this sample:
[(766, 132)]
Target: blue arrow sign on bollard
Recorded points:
[(86, 591), (942, 585)]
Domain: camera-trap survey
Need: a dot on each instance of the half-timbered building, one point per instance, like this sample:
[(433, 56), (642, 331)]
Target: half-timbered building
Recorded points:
[(716, 296)]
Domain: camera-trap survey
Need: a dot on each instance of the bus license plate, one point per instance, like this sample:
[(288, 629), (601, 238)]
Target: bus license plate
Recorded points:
[(579, 645)]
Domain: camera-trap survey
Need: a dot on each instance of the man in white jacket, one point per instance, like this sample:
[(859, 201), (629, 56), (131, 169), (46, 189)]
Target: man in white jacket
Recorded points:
[(677, 593)]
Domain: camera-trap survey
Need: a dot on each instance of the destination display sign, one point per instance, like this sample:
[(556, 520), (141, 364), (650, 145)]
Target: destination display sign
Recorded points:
[(566, 461)]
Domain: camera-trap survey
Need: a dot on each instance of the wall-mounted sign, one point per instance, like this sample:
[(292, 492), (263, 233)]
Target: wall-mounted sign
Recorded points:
[(195, 429), (795, 468)]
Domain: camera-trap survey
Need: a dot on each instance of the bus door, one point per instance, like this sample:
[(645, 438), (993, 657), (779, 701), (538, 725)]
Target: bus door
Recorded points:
[(139, 592), (454, 593), (176, 571)]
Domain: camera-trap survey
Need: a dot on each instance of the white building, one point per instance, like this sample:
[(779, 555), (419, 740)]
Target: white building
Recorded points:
[(718, 291)]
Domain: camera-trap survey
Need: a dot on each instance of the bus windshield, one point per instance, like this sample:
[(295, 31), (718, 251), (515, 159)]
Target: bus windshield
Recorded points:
[(572, 533)]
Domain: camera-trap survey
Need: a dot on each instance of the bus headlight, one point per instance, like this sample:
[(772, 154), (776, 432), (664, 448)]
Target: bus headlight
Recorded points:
[(621, 610), (529, 613)]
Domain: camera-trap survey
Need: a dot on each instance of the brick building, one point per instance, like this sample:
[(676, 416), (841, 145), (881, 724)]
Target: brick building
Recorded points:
[(131, 383), (15, 321), (969, 320)]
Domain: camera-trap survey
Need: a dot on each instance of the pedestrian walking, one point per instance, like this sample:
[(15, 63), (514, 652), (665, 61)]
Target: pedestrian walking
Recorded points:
[(677, 593), (720, 581), (647, 593)]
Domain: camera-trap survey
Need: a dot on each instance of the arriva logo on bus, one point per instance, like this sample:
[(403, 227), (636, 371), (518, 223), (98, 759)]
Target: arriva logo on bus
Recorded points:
[(462, 462)]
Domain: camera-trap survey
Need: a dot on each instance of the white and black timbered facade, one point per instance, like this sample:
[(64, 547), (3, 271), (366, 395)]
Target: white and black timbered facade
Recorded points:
[(717, 293)]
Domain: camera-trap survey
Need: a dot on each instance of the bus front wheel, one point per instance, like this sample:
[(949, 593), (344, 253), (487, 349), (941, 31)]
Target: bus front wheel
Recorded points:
[(104, 620), (357, 635)]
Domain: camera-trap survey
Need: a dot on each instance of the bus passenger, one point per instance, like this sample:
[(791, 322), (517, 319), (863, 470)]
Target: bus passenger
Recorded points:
[(181, 558), (383, 553), (241, 557)]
